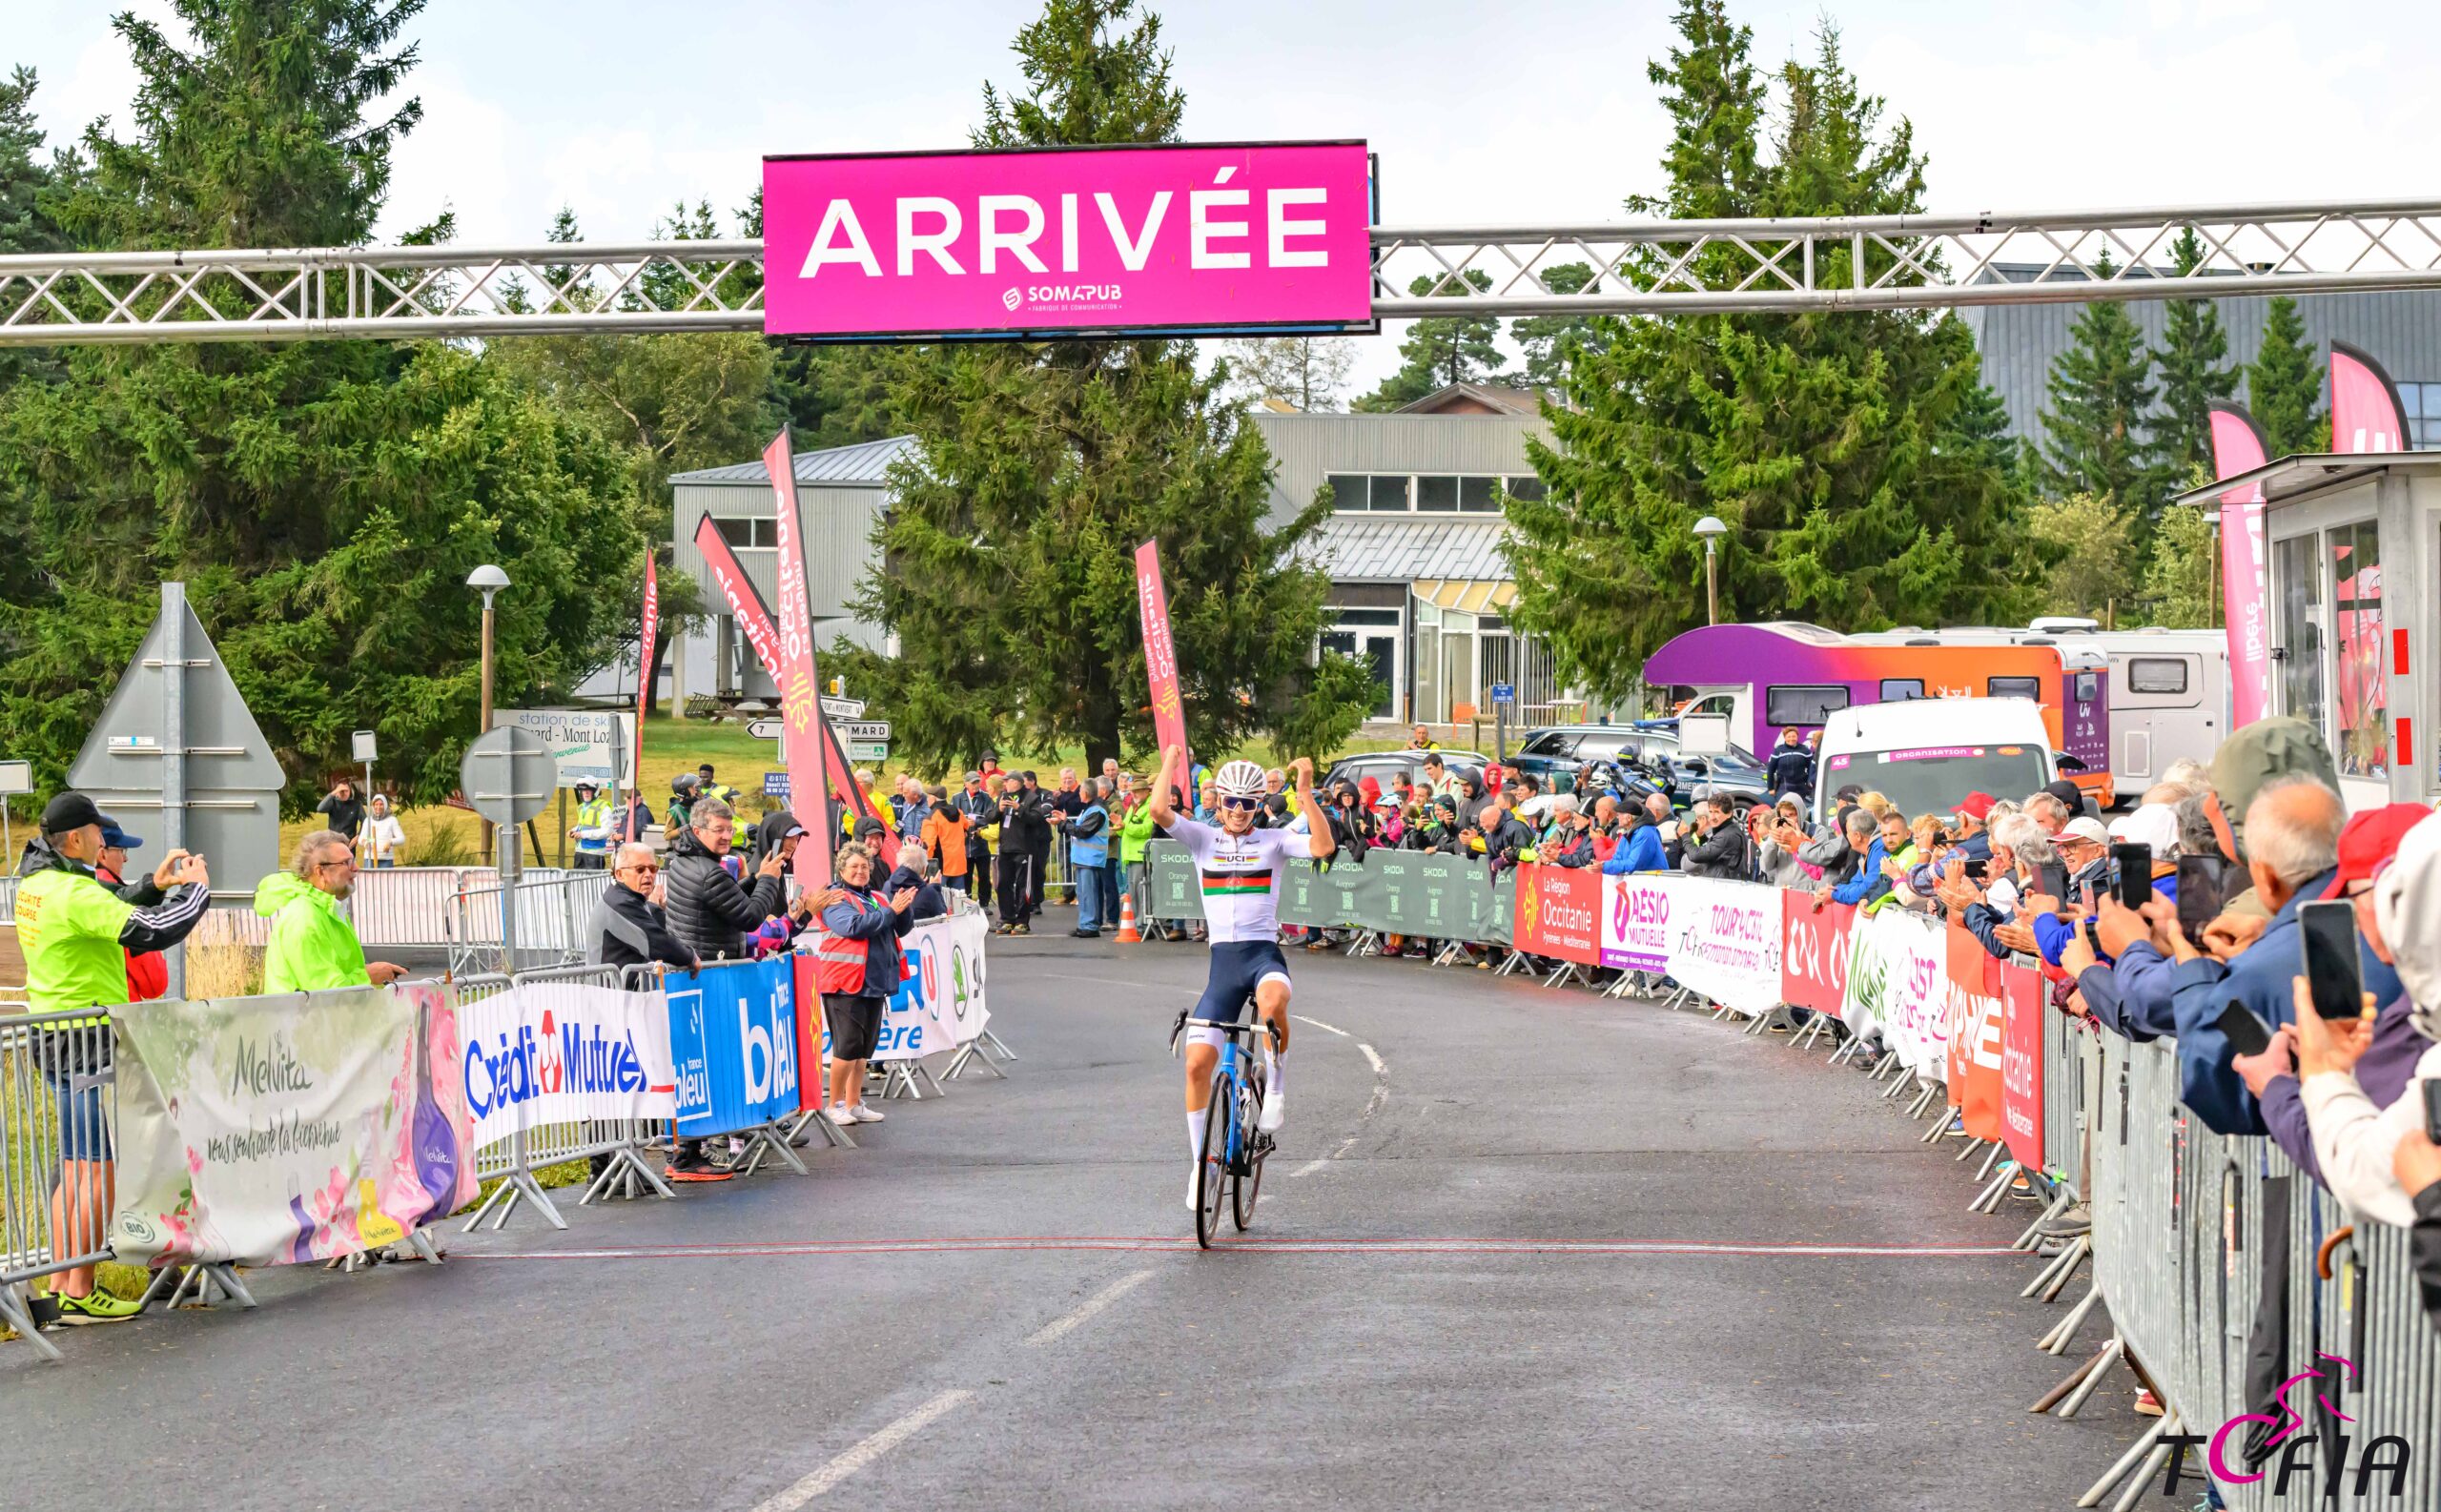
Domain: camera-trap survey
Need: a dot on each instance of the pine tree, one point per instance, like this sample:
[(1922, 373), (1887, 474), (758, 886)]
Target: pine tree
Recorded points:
[(2195, 376), (1551, 341), (1441, 350), (2095, 439), (324, 501), (1010, 582), (2093, 556), (2179, 589), (27, 184), (2285, 384), (1851, 453)]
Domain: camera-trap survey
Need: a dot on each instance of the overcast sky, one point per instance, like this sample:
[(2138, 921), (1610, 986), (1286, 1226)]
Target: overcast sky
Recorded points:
[(1497, 111)]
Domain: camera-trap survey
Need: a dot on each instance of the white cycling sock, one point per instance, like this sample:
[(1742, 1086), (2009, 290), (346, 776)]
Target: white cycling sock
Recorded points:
[(1194, 1134), (1274, 1073)]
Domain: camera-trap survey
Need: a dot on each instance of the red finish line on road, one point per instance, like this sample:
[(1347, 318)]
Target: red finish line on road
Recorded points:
[(745, 1249)]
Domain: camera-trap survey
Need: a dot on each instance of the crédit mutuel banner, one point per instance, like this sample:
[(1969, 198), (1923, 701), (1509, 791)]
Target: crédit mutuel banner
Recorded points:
[(1065, 241)]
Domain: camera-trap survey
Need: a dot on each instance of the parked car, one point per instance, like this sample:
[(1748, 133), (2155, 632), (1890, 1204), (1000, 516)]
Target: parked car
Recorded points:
[(1556, 753), (1380, 765)]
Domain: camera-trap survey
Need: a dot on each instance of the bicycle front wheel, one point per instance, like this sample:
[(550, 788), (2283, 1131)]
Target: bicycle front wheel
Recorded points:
[(1212, 1175), (1248, 1182)]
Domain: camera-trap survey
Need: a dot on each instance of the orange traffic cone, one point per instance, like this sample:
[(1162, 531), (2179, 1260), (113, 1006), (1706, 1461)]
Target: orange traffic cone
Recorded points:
[(1127, 934)]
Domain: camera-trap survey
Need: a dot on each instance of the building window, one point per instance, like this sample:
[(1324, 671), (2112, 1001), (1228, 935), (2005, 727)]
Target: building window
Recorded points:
[(1358, 492), (750, 533), (1478, 496), (1529, 489), (2361, 738), (2156, 674), (1347, 491), (1438, 494), (2015, 687), (1389, 494)]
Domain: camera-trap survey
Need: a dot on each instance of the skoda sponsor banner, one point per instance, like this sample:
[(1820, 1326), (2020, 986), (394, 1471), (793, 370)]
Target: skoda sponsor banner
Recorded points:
[(1636, 921), (733, 1045), (1814, 951), (1724, 941), (546, 1052), (1559, 913), (939, 1004), (263, 1131), (1164, 236)]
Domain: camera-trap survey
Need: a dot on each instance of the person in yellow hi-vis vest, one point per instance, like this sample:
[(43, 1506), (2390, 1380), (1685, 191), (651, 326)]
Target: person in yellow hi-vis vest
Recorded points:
[(75, 933)]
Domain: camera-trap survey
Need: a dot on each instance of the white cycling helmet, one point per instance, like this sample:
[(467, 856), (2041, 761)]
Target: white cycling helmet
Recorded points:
[(1238, 779)]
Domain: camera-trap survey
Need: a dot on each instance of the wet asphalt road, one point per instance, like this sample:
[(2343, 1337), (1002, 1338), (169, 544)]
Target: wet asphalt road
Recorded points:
[(1469, 1283)]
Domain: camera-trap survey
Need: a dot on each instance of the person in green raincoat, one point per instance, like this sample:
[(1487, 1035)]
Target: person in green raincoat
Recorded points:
[(313, 947)]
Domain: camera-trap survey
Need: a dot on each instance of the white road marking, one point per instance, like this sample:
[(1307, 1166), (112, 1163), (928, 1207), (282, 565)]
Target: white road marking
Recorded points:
[(1379, 1070), (1319, 1024), (864, 1453), (1372, 1105), (1312, 1165), (1090, 1306)]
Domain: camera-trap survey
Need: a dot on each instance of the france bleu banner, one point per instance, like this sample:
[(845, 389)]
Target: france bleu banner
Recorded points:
[(733, 1042)]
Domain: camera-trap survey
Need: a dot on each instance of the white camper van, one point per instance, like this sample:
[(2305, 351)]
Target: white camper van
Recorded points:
[(2170, 689)]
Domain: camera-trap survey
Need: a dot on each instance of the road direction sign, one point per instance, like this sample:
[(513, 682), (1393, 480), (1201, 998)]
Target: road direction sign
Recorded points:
[(588, 746), (843, 708), (868, 750), (874, 730), (775, 785), (508, 775), (1503, 692), (764, 728)]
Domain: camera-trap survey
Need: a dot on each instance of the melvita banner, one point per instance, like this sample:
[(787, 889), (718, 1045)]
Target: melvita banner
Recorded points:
[(1158, 236)]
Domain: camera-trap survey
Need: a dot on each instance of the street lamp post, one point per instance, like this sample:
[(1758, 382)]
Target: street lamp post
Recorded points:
[(1711, 529), (489, 580)]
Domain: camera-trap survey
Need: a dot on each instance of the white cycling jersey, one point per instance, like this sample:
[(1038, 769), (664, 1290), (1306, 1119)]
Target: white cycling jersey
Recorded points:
[(1240, 875)]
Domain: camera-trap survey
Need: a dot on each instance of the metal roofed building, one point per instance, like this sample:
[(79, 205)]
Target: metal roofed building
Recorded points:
[(840, 492), (2402, 330)]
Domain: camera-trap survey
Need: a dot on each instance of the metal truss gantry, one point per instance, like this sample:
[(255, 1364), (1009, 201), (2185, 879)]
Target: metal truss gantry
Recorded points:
[(1655, 267)]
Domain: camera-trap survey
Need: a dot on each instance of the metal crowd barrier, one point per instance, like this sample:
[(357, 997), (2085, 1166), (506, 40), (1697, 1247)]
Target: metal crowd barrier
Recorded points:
[(552, 907), (55, 1082)]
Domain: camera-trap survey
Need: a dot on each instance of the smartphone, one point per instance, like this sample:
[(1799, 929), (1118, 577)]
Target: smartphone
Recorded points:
[(2198, 894), (2326, 936), (2131, 871), (1975, 868), (2051, 880), (2244, 1032), (2433, 1110)]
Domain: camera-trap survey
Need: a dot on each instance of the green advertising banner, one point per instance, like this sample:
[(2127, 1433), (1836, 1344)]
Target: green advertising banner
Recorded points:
[(1343, 884), (1401, 895), (1177, 891), (1302, 894), (1504, 910)]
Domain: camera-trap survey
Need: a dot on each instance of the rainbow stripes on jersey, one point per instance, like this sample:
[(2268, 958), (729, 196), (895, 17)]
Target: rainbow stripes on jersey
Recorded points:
[(1236, 884)]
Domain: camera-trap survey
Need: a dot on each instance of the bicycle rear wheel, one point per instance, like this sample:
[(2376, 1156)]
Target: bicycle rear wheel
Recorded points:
[(1213, 1175), (1248, 1183)]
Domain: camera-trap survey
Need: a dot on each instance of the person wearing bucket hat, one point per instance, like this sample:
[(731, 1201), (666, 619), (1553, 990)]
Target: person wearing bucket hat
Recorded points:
[(2293, 827), (2366, 848), (2357, 1142)]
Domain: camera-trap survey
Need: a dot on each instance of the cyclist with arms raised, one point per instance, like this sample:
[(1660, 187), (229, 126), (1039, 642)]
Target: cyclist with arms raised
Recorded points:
[(1240, 868)]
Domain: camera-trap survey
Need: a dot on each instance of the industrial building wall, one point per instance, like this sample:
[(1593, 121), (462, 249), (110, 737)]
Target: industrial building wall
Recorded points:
[(2402, 330), (1307, 448)]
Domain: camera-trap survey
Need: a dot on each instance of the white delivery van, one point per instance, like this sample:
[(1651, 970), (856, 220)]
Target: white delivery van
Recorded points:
[(1926, 755)]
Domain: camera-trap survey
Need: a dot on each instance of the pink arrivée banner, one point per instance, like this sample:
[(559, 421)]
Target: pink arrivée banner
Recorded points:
[(2237, 447), (1080, 239), (2364, 405), (1161, 659)]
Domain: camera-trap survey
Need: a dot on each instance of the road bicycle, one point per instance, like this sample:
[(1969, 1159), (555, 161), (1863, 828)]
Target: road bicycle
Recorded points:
[(1233, 1149)]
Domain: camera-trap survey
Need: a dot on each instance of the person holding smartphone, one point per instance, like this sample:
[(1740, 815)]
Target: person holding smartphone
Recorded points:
[(2293, 855), (2356, 1113)]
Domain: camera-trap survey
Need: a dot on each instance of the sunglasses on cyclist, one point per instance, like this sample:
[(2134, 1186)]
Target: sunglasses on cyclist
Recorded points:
[(1244, 803)]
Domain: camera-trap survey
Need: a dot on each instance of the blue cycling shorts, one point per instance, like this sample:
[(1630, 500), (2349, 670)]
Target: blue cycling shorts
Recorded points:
[(1237, 965)]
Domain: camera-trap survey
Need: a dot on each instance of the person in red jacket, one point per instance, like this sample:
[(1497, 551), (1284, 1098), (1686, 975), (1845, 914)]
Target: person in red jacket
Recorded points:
[(148, 972)]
